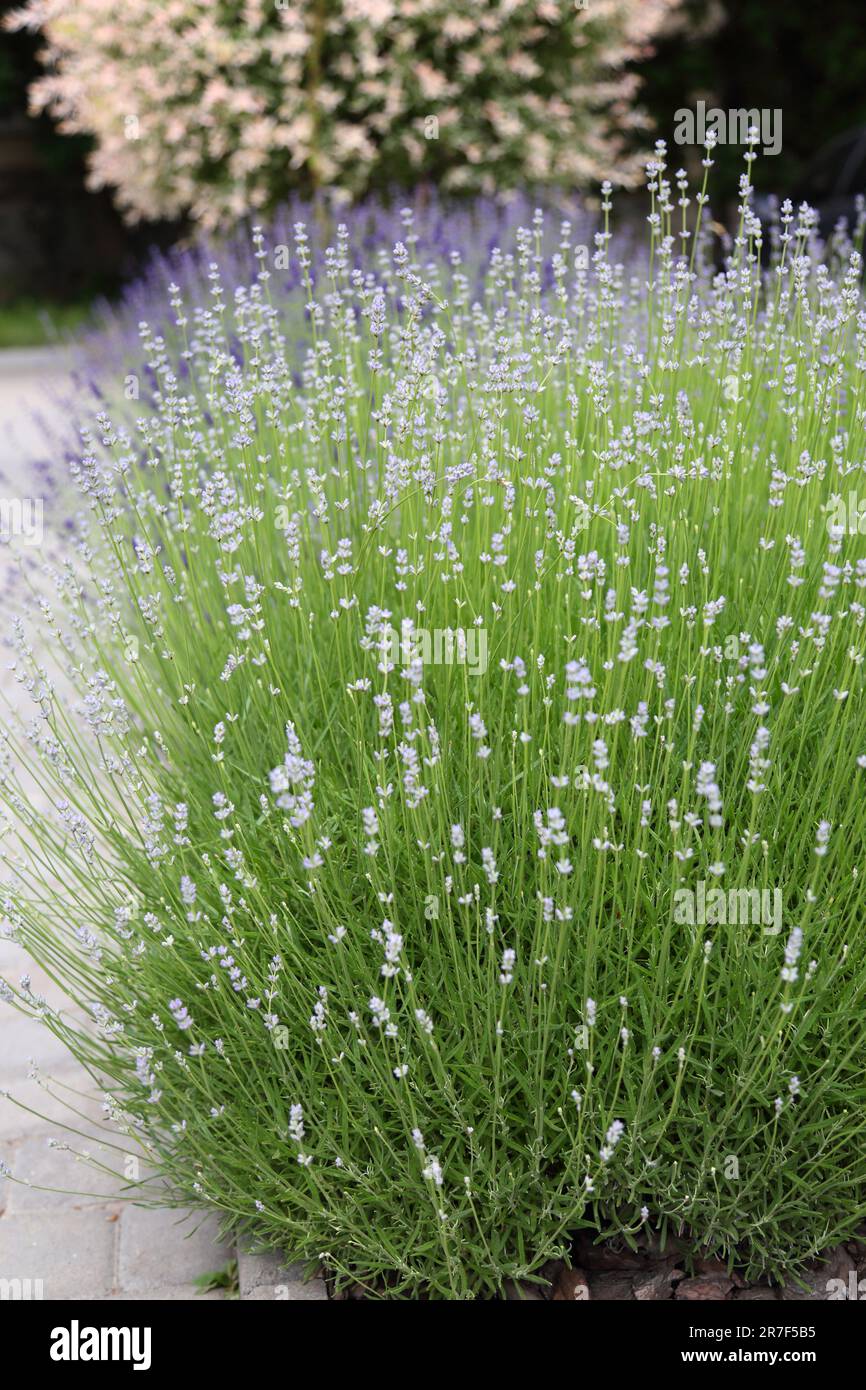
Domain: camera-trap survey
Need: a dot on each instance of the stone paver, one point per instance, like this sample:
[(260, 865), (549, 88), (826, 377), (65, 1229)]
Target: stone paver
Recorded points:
[(167, 1293), (81, 1248), (28, 380), (265, 1277), (78, 1257), (159, 1246), (45, 1109), (22, 1037), (47, 1169)]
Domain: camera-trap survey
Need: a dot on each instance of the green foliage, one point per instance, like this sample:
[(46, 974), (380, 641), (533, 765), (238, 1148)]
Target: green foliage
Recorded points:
[(226, 1278)]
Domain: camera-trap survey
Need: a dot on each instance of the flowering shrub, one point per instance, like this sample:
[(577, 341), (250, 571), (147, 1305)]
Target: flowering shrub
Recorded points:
[(457, 694), (215, 110)]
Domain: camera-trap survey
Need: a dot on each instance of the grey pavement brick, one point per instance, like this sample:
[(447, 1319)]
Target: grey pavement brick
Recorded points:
[(266, 1277), (158, 1248), (72, 1252), (33, 1160), (21, 1038), (29, 378), (7, 1156), (16, 1122), (12, 956), (169, 1293), (289, 1291)]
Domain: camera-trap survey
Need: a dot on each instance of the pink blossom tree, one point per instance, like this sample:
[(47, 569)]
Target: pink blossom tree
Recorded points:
[(216, 109)]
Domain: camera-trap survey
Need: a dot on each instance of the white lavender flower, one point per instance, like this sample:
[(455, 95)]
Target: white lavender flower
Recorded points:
[(792, 955), (296, 1123), (489, 866), (432, 1171), (292, 782), (506, 975), (614, 1133)]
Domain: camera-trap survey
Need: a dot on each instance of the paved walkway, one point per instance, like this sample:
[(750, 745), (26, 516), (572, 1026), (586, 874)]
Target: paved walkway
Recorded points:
[(79, 1247)]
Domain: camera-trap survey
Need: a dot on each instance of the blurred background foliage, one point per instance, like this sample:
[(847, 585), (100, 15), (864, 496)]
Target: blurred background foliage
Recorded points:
[(61, 244), (806, 59)]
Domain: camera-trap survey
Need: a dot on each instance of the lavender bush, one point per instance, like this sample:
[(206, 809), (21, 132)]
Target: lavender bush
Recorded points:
[(459, 829), (434, 227)]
